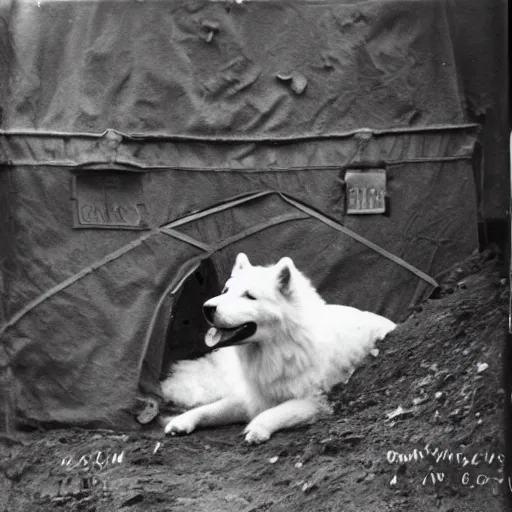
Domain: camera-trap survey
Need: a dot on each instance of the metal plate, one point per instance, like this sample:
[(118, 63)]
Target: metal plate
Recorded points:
[(365, 191), (109, 200)]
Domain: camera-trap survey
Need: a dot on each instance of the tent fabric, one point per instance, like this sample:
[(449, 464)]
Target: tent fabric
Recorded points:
[(80, 354), (127, 127), (479, 32), (151, 67), (94, 65)]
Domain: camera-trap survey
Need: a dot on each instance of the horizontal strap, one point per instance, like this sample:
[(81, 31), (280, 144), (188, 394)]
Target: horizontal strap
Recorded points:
[(241, 139), (361, 239)]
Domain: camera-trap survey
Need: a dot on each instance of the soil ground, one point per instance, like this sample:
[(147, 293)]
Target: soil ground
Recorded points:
[(442, 367)]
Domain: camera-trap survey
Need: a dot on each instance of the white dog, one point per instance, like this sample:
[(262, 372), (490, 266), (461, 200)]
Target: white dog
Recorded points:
[(287, 349)]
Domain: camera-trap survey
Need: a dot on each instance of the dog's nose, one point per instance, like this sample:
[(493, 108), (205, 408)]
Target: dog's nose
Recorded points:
[(208, 312)]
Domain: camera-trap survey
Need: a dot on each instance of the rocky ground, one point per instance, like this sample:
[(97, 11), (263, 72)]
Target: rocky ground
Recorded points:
[(419, 428)]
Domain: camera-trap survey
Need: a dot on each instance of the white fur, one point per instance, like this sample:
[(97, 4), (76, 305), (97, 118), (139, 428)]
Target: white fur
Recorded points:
[(278, 378)]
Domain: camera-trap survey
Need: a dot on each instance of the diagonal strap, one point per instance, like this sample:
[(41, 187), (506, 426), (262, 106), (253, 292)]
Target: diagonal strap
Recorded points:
[(167, 229), (360, 239), (187, 239), (219, 208), (76, 277), (313, 213), (279, 219)]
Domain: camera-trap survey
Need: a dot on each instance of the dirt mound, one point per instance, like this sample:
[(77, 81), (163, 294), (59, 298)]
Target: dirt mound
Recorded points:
[(417, 428)]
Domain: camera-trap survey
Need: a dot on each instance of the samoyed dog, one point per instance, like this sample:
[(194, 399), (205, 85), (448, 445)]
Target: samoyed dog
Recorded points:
[(278, 349)]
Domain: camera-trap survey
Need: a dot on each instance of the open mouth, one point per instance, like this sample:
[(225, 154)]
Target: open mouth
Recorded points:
[(218, 338)]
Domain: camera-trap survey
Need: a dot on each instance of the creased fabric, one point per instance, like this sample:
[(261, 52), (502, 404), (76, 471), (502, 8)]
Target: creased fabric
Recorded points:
[(217, 100)]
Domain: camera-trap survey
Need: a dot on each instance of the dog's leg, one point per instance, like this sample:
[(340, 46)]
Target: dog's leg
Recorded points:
[(288, 414), (222, 412)]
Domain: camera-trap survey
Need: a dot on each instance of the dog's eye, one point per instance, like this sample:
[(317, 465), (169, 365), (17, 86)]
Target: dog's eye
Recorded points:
[(247, 295), (224, 290)]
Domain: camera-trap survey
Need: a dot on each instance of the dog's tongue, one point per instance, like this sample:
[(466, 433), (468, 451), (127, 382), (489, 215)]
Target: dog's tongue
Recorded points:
[(219, 338), (213, 337)]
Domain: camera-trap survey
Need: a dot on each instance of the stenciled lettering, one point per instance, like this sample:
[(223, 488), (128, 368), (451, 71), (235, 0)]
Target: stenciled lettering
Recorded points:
[(109, 214)]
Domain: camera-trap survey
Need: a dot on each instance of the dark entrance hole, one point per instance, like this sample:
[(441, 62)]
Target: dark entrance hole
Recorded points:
[(184, 338)]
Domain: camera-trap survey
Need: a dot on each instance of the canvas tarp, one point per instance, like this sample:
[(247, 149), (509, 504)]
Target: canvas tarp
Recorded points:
[(479, 31), (146, 143), (94, 65)]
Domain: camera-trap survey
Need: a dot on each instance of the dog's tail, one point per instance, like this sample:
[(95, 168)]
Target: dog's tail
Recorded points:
[(197, 382)]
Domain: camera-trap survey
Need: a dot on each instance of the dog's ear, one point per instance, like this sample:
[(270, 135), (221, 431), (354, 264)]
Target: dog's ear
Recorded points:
[(241, 262), (284, 275)]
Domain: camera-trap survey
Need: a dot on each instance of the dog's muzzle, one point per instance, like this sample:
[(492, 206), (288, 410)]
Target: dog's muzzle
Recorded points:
[(219, 337)]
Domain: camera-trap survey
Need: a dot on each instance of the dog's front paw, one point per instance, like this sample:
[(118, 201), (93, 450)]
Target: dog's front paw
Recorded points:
[(183, 424), (256, 434)]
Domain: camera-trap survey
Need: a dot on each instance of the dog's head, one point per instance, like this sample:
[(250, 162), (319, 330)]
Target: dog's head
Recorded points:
[(252, 302)]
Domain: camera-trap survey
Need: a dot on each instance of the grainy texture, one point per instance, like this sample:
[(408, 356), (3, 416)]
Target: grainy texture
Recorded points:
[(339, 464)]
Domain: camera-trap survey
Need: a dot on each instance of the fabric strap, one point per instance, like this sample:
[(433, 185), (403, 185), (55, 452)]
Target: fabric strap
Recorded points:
[(313, 213), (362, 240), (169, 229)]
